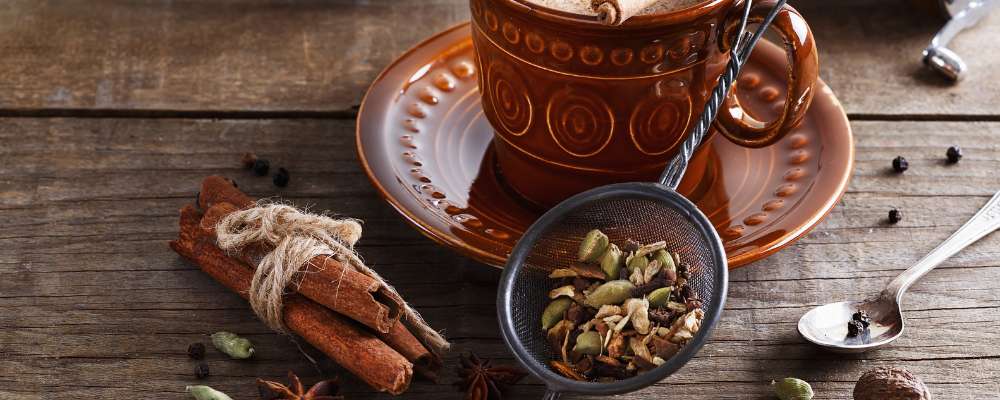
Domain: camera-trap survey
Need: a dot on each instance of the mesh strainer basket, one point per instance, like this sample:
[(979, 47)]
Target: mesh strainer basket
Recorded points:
[(643, 212)]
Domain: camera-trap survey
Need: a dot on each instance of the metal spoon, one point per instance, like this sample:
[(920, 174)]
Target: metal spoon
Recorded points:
[(826, 325), (964, 14)]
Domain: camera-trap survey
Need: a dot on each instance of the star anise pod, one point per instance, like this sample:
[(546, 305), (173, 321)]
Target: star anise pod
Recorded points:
[(482, 381), (324, 390)]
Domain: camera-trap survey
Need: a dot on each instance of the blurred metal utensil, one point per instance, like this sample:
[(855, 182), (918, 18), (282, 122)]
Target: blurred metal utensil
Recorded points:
[(964, 14)]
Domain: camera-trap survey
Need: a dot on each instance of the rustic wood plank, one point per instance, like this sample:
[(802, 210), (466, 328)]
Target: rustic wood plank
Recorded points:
[(320, 56), (93, 305)]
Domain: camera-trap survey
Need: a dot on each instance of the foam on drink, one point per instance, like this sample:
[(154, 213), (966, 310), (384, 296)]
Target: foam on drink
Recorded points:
[(584, 6)]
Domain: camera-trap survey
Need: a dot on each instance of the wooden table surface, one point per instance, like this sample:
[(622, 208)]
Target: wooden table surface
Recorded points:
[(112, 111)]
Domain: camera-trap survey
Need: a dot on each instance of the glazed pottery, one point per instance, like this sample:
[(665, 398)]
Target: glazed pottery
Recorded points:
[(576, 104), (425, 143)]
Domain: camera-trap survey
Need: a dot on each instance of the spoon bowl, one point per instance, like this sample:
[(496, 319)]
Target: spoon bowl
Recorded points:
[(826, 325)]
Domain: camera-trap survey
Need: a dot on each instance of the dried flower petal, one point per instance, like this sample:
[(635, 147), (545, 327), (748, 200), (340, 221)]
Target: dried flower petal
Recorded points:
[(562, 273), (638, 310), (608, 310), (567, 291), (640, 350)]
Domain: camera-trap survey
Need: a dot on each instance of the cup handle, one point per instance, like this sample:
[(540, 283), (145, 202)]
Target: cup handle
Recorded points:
[(802, 73)]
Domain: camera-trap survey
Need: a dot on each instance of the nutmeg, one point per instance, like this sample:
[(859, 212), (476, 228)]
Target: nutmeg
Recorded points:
[(890, 383)]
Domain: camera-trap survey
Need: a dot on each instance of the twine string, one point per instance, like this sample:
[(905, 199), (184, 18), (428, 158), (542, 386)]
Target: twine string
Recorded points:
[(297, 237)]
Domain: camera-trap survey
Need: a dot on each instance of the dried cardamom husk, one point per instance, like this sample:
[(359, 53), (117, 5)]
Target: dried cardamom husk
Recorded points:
[(659, 297), (637, 262), (637, 277), (567, 291), (592, 246), (612, 292), (651, 248), (638, 311), (554, 312), (611, 261), (651, 270), (665, 259), (201, 392), (608, 310), (588, 343), (557, 334), (640, 350), (562, 273), (233, 345)]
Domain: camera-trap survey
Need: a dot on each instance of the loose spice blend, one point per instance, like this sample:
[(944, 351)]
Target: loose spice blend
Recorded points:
[(620, 311)]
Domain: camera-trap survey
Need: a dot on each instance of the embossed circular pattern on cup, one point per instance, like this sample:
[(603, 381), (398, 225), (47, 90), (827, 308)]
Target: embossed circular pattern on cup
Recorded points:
[(426, 145)]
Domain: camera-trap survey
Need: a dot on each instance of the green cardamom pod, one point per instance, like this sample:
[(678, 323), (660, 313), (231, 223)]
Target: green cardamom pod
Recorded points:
[(588, 343), (233, 345), (611, 261), (554, 312), (659, 297), (666, 260), (201, 392), (593, 246), (793, 389), (612, 292), (637, 262)]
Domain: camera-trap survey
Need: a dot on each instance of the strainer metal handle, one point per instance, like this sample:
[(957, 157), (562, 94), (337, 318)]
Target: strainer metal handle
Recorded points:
[(742, 48)]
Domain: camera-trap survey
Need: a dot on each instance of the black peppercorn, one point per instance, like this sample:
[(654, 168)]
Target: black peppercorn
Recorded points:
[(196, 351), (899, 164), (862, 317), (854, 328), (281, 177), (895, 216), (201, 371), (261, 166), (954, 154), (248, 160)]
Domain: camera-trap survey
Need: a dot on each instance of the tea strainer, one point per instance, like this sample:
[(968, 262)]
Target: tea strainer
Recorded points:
[(644, 212)]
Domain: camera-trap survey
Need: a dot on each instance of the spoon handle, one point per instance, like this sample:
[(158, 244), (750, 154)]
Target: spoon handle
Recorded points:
[(983, 223)]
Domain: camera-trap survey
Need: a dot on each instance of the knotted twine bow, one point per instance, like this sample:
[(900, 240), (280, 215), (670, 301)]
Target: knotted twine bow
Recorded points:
[(298, 236)]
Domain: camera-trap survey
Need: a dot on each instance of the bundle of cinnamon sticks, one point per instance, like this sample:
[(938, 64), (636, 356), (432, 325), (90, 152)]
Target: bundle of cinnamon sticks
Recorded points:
[(347, 315)]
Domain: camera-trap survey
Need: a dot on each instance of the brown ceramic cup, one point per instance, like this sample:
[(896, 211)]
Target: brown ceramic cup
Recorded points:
[(576, 104)]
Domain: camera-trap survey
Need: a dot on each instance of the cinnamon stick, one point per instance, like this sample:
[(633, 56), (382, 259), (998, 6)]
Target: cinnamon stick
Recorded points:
[(219, 197), (325, 281), (344, 299), (344, 341), (615, 12)]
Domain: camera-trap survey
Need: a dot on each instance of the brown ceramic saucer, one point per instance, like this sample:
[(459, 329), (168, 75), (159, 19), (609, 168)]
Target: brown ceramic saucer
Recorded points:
[(425, 144)]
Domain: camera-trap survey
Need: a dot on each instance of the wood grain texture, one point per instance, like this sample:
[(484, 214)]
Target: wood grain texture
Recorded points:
[(318, 56), (93, 304)]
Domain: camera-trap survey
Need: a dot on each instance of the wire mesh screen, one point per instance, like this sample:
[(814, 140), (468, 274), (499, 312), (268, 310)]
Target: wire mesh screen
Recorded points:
[(642, 220)]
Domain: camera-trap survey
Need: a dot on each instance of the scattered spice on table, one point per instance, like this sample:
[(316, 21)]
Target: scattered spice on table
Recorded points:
[(613, 315), (883, 383), (201, 370), (281, 178), (792, 389), (480, 380), (201, 392), (954, 154), (895, 216), (261, 167), (323, 390), (232, 345), (196, 351), (900, 165), (248, 160)]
